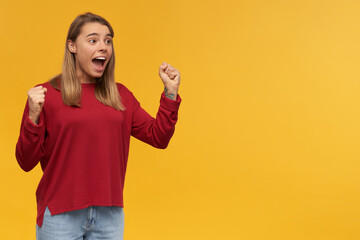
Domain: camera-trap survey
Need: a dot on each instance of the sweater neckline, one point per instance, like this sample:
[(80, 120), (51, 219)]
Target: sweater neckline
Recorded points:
[(88, 85)]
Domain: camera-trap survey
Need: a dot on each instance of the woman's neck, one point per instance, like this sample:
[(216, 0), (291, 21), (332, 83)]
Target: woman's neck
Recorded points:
[(84, 78), (88, 82)]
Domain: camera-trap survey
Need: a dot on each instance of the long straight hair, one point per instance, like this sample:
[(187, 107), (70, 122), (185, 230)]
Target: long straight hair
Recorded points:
[(106, 90)]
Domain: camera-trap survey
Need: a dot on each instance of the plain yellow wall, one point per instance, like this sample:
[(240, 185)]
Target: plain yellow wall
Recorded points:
[(267, 142)]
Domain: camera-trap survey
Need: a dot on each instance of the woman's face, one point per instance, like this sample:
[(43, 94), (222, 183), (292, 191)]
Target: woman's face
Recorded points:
[(92, 49)]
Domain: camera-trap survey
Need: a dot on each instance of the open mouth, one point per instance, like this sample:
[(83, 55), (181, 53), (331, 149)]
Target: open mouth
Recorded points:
[(99, 63)]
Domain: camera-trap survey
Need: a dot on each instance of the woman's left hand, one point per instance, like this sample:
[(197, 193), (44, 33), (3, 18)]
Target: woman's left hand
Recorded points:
[(171, 79)]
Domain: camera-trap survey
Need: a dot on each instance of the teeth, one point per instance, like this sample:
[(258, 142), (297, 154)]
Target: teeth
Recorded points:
[(101, 58)]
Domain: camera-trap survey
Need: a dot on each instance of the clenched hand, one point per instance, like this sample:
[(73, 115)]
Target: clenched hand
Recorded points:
[(171, 79), (36, 100)]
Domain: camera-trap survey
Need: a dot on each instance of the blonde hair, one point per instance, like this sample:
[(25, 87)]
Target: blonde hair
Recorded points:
[(106, 90)]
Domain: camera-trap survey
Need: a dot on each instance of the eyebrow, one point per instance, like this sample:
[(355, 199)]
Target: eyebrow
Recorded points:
[(91, 34)]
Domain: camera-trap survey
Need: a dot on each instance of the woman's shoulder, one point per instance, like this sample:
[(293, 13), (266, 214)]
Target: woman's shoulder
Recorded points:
[(48, 86), (123, 90), (52, 91), (44, 84), (127, 97), (52, 84)]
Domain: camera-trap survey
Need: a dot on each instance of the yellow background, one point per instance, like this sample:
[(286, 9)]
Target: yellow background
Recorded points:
[(267, 142)]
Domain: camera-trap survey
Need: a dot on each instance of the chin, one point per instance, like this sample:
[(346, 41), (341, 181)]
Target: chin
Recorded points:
[(97, 75)]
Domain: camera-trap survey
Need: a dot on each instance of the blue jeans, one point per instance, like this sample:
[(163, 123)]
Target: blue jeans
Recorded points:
[(89, 223)]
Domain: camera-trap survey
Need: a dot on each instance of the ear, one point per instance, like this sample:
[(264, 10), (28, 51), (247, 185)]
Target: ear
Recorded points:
[(71, 46)]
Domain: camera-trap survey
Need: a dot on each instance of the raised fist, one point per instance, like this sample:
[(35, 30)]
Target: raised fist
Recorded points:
[(36, 100), (171, 79)]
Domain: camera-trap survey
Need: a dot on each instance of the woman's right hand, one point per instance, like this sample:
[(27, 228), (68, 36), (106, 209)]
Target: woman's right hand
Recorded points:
[(36, 99)]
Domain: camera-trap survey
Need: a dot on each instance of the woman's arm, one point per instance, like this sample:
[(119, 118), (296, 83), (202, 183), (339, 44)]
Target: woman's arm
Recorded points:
[(158, 131), (29, 148)]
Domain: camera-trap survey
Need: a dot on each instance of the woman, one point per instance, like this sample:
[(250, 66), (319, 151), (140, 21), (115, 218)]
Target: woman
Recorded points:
[(78, 126)]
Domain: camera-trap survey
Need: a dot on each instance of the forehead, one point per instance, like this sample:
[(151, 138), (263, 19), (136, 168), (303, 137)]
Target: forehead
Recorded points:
[(94, 27)]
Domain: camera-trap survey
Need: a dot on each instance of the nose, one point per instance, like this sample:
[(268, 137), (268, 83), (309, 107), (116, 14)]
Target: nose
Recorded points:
[(102, 46)]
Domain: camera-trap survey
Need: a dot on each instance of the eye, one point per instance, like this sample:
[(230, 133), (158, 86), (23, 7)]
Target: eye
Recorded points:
[(92, 40), (108, 41)]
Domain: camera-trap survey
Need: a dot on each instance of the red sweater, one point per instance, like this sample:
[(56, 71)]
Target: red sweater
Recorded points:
[(83, 151)]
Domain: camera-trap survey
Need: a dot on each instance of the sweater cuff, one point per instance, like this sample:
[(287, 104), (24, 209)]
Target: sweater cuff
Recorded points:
[(32, 127), (169, 104)]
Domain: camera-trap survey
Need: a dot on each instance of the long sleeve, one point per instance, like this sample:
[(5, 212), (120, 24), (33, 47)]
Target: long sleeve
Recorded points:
[(155, 131), (29, 148)]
